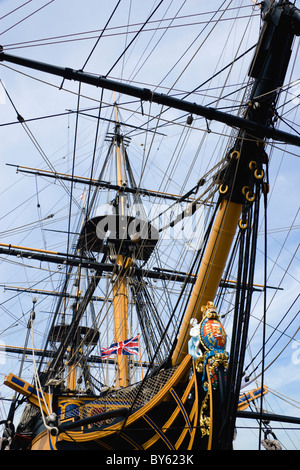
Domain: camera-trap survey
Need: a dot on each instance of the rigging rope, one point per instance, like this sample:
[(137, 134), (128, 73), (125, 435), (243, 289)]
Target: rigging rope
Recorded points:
[(28, 16), (264, 305), (15, 9), (133, 39), (34, 141), (41, 42), (101, 34), (50, 419)]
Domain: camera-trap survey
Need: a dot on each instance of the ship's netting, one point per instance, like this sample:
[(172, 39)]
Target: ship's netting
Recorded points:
[(131, 397)]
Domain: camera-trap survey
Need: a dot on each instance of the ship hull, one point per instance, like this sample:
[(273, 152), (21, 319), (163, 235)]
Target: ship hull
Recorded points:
[(169, 421)]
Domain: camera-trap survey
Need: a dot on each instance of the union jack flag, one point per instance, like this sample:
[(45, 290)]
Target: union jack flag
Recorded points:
[(126, 347)]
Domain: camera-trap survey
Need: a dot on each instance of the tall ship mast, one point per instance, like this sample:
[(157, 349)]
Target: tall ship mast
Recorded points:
[(150, 298)]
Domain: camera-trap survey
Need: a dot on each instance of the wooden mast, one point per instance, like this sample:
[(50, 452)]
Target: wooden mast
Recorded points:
[(120, 294)]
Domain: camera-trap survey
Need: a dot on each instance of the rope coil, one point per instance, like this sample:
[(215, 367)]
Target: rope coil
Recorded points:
[(271, 444)]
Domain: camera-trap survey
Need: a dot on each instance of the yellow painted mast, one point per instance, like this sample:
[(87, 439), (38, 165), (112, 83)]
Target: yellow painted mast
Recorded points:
[(121, 325), (120, 283), (211, 270)]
